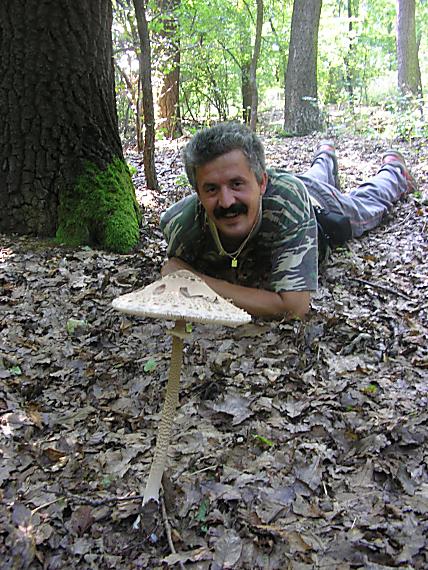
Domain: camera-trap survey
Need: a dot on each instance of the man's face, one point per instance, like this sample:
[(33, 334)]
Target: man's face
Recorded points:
[(230, 194)]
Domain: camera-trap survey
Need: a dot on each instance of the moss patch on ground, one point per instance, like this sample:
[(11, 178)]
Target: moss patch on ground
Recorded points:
[(100, 210)]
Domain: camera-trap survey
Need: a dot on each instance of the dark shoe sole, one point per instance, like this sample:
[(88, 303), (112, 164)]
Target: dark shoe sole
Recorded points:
[(332, 154)]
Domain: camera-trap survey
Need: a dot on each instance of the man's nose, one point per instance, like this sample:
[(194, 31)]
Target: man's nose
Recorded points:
[(226, 197)]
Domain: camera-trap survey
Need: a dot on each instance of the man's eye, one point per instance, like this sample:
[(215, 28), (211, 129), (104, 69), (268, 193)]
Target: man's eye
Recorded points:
[(237, 184)]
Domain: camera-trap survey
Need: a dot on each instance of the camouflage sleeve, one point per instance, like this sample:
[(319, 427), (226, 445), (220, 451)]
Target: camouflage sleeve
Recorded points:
[(295, 245), (181, 228)]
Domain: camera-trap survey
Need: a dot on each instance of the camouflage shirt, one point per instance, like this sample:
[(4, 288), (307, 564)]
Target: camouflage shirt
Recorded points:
[(282, 255)]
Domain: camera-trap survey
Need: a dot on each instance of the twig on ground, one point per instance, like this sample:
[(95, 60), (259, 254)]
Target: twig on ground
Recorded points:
[(168, 531), (381, 287), (45, 505), (209, 468), (392, 227), (98, 502)]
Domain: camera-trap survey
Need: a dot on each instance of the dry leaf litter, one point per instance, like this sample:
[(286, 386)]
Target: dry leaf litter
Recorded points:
[(296, 445)]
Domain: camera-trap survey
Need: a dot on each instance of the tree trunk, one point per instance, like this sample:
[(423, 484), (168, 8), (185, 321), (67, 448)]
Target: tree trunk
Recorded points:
[(146, 84), (61, 163), (169, 108), (244, 64), (348, 58), (253, 66), (246, 92), (409, 74), (301, 114)]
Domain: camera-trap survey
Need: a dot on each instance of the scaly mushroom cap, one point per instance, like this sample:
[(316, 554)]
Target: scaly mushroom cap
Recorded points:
[(181, 296)]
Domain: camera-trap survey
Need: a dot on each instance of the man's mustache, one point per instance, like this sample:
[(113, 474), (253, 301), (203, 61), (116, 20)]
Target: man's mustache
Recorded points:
[(234, 209)]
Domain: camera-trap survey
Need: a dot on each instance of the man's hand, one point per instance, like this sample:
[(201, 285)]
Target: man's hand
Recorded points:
[(257, 302)]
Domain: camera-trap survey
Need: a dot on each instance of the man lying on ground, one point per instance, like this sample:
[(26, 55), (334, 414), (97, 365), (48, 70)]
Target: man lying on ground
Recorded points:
[(255, 235)]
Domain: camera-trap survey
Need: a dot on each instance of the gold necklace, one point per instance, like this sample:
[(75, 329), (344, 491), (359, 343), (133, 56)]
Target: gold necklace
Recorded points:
[(235, 254)]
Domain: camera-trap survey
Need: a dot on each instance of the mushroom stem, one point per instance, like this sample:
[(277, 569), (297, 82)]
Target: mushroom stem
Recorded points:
[(168, 413)]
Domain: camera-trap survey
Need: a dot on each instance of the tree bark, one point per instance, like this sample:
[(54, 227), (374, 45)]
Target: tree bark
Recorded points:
[(349, 57), (243, 61), (253, 66), (409, 73), (60, 151), (301, 114), (146, 84), (246, 92), (169, 108)]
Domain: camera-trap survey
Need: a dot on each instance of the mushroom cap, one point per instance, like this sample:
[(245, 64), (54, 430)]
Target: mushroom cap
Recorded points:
[(181, 296)]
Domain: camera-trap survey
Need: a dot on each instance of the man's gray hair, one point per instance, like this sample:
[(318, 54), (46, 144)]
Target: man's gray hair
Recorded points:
[(211, 143)]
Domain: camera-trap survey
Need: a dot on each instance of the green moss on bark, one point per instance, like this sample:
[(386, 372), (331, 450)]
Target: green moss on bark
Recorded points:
[(100, 210)]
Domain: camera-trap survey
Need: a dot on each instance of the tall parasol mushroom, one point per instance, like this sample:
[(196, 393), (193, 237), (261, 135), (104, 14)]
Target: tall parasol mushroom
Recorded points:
[(180, 297)]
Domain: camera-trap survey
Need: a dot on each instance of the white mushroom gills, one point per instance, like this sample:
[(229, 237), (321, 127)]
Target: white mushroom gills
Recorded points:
[(180, 296)]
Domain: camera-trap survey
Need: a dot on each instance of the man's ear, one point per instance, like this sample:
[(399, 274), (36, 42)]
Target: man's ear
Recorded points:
[(263, 184)]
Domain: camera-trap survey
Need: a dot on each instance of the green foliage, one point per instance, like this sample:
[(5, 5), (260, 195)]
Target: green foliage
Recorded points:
[(150, 365), (397, 118), (201, 515), (181, 181), (216, 46), (132, 170), (263, 441), (280, 132), (100, 209), (370, 389), (406, 117), (74, 326), (351, 59), (107, 481), (126, 47), (357, 63)]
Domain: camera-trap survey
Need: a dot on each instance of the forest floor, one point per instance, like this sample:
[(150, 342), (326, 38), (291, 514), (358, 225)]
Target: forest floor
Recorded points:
[(296, 445)]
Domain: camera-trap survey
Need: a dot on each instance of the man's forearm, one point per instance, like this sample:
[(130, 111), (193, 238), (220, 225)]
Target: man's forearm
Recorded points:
[(260, 302), (257, 302)]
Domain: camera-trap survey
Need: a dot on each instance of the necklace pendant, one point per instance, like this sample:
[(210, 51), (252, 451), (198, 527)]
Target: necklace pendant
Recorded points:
[(234, 262)]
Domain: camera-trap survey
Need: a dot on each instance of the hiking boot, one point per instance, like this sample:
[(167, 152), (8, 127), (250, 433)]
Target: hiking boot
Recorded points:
[(394, 157), (327, 147)]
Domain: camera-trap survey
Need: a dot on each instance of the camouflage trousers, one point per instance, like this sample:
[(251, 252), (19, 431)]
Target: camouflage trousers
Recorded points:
[(366, 205)]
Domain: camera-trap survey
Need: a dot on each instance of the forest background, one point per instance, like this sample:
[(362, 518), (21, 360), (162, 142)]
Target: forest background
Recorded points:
[(202, 55)]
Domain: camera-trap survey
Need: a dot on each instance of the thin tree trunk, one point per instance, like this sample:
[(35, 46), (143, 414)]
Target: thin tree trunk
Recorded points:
[(409, 74), (139, 113), (246, 92), (146, 84), (253, 66), (301, 114), (348, 57), (169, 108)]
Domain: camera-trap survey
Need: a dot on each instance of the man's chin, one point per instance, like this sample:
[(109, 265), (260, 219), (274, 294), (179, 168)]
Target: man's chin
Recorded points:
[(232, 232)]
